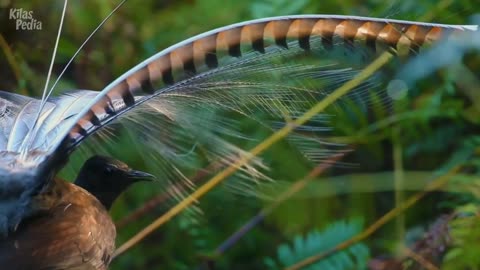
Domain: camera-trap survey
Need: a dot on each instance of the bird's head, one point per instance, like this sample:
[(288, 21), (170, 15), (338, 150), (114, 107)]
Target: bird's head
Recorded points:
[(106, 178)]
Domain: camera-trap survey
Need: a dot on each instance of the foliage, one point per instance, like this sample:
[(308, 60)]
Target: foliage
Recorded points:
[(434, 129), (269, 8), (465, 234), (317, 242)]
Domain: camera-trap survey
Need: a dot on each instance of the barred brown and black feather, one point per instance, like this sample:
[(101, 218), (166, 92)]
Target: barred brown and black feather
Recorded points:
[(202, 53)]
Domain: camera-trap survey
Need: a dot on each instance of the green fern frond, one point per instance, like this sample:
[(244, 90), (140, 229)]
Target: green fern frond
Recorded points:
[(315, 242), (465, 234)]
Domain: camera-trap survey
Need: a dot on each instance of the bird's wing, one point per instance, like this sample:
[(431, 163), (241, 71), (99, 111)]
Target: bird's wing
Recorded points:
[(19, 113), (19, 179), (16, 111), (75, 234)]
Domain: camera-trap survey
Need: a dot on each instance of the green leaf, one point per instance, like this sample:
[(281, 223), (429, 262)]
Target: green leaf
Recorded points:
[(316, 242)]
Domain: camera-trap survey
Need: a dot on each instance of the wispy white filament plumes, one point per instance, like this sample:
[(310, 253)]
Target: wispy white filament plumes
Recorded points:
[(28, 138)]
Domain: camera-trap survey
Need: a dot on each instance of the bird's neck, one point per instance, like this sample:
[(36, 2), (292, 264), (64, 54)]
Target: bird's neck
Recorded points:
[(106, 198)]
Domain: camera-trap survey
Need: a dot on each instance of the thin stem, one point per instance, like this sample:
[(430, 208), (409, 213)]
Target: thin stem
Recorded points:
[(399, 184), (157, 200), (242, 161), (434, 185), (10, 59), (295, 188), (426, 264)]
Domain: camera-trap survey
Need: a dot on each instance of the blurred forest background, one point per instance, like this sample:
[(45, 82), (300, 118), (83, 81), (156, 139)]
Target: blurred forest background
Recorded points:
[(433, 133)]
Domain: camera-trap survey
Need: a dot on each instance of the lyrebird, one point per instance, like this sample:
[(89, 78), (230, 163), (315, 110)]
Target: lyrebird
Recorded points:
[(246, 68)]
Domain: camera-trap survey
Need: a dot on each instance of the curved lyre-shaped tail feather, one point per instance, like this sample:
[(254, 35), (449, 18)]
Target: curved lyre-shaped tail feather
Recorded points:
[(276, 66), (201, 54)]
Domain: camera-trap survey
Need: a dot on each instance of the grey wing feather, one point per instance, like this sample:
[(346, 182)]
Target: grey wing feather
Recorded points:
[(10, 106), (18, 114)]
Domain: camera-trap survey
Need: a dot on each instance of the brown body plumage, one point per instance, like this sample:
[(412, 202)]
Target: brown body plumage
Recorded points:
[(72, 231), (70, 227)]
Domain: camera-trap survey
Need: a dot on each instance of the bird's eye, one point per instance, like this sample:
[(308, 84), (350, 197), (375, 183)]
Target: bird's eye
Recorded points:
[(108, 170)]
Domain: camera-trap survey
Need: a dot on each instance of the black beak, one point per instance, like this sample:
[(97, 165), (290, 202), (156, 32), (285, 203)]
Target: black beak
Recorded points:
[(140, 176)]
